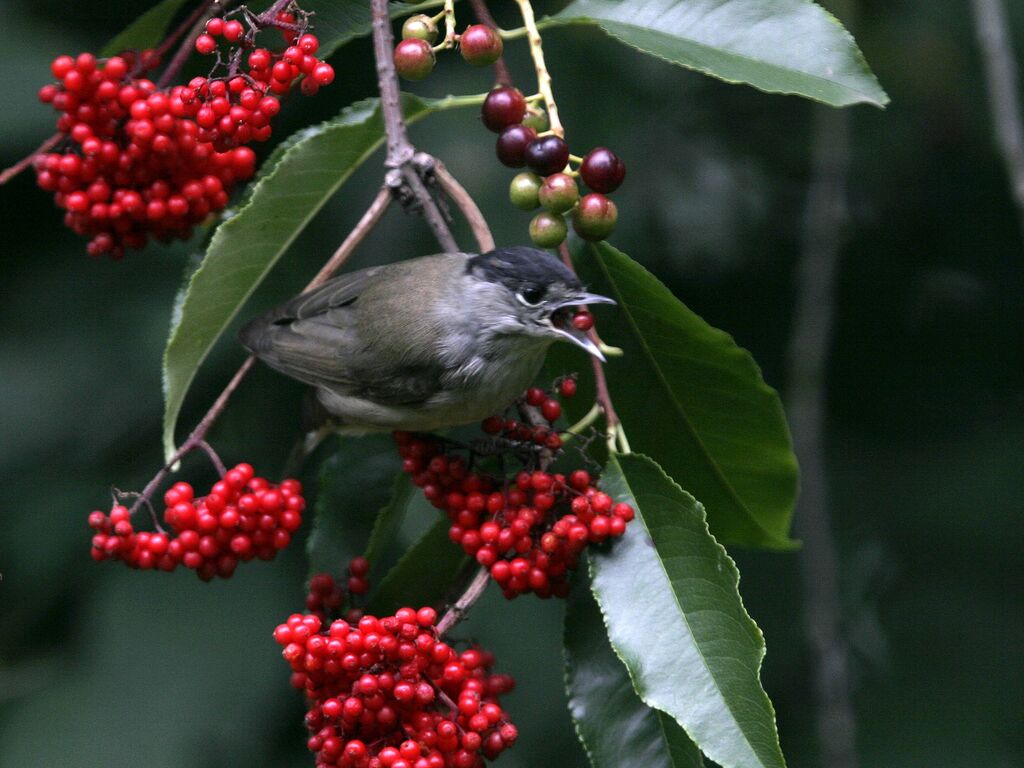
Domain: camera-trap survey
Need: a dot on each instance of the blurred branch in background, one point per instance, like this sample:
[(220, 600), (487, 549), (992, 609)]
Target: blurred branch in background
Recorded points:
[(1001, 75), (821, 243)]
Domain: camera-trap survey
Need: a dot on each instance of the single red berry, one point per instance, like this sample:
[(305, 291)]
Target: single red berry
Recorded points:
[(480, 45), (567, 387), (504, 106), (323, 73), (414, 59), (583, 320), (215, 27), (512, 144), (602, 170), (205, 44), (233, 31), (547, 155)]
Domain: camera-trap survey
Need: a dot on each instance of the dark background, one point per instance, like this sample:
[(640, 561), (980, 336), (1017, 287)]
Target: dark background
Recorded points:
[(102, 666)]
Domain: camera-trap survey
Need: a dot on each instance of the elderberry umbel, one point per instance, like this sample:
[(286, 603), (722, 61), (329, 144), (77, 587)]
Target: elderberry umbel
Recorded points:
[(389, 693), (138, 161), (242, 517), (530, 531)]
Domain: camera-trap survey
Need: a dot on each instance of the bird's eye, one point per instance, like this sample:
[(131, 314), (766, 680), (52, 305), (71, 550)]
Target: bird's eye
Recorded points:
[(531, 297)]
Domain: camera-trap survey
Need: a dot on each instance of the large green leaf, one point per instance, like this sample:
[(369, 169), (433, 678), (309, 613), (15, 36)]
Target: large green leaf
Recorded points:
[(146, 31), (610, 718), (426, 572), (355, 482), (780, 46), (694, 400), (338, 21), (668, 593), (294, 185)]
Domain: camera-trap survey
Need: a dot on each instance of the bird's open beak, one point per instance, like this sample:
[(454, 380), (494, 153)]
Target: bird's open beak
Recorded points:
[(561, 323)]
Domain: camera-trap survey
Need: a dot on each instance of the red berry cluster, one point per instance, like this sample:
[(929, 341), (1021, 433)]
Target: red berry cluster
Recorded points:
[(326, 595), (551, 182), (140, 161), (479, 45), (530, 532), (242, 517), (238, 108), (388, 693)]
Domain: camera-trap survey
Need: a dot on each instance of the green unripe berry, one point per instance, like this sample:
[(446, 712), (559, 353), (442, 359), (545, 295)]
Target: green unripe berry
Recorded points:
[(537, 120), (523, 190), (595, 217), (548, 230), (559, 193), (419, 27)]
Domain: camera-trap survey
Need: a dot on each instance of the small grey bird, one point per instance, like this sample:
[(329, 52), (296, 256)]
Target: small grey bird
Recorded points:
[(427, 343)]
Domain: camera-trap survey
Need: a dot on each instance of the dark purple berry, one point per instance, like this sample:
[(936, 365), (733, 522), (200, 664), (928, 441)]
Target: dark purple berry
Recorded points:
[(503, 107), (547, 155), (512, 143), (602, 170)]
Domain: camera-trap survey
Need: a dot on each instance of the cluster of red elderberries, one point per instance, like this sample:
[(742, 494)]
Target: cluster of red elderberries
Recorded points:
[(479, 45), (529, 533), (388, 693), (242, 517), (326, 595), (141, 161), (551, 181)]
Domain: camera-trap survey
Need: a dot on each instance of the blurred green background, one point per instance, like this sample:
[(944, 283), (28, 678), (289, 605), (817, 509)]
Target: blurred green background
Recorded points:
[(102, 666)]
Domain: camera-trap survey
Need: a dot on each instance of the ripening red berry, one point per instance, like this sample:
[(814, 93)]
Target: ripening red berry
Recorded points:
[(602, 170), (419, 27), (558, 193), (583, 320), (414, 59), (567, 387), (480, 45), (504, 106), (548, 230), (595, 217)]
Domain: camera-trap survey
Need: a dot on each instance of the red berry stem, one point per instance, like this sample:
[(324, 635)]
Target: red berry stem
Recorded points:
[(194, 24), (28, 160), (461, 606)]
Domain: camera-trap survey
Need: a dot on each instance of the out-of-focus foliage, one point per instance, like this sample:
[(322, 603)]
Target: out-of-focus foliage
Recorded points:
[(101, 666)]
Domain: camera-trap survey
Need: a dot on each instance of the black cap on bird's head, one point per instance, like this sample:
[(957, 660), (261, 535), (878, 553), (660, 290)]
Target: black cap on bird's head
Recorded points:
[(545, 290)]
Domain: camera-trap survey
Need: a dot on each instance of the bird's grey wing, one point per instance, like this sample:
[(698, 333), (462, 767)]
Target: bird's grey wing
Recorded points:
[(315, 338)]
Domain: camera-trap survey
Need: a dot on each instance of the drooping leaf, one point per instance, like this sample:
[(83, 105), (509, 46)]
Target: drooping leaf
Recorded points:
[(339, 21), (355, 482), (427, 570), (695, 401), (146, 31), (611, 720), (297, 182), (668, 594), (779, 46)]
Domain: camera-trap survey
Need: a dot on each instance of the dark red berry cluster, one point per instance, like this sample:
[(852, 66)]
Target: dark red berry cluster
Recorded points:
[(242, 517), (141, 162), (551, 181), (326, 595), (529, 532), (479, 45), (388, 693)]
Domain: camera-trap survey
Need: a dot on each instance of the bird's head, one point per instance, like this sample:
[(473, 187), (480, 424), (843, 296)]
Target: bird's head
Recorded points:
[(528, 291)]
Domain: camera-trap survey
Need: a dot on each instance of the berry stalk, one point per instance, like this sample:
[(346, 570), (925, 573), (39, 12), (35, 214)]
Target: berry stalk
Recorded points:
[(543, 76)]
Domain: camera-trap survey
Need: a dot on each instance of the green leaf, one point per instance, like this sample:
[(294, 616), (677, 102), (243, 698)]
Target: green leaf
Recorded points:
[(690, 397), (293, 186), (668, 593), (339, 21), (427, 570), (146, 31), (611, 720), (779, 46), (354, 485)]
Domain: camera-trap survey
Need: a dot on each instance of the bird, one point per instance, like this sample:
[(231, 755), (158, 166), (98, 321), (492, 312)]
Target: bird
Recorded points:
[(427, 343)]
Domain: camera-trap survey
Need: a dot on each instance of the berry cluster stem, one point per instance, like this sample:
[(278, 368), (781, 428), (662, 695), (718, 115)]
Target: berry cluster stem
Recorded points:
[(194, 24), (461, 606), (543, 76)]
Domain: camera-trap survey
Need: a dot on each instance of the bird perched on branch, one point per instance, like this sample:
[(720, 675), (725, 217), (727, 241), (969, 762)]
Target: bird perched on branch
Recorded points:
[(427, 343)]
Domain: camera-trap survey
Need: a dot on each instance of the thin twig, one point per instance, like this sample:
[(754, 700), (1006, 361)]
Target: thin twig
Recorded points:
[(362, 228), (502, 75), (543, 75), (25, 162), (208, 10), (1001, 75), (213, 456), (458, 611), (188, 23), (466, 204), (808, 351)]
